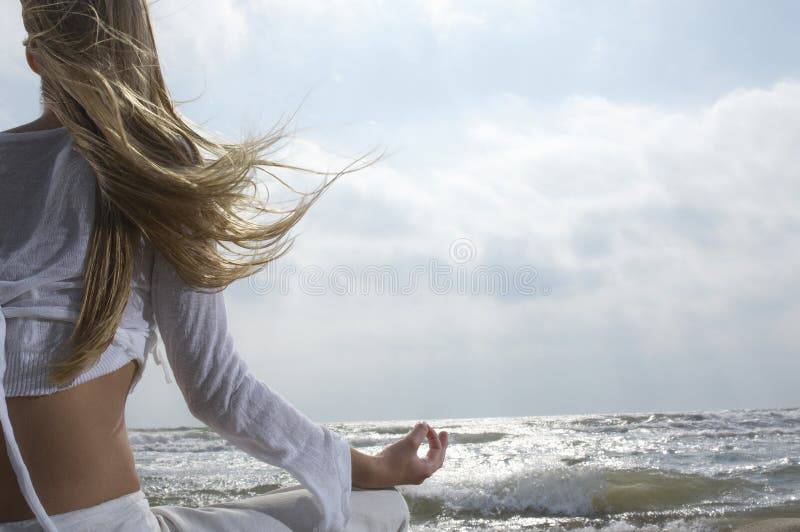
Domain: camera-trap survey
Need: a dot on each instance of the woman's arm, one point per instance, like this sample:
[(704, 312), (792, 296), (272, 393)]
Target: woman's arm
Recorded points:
[(220, 391)]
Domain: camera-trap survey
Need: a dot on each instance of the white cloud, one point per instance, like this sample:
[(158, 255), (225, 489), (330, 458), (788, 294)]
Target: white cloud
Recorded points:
[(206, 31), (444, 16), (665, 252)]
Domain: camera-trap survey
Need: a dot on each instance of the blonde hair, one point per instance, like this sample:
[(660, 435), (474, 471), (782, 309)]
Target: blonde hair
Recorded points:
[(102, 79)]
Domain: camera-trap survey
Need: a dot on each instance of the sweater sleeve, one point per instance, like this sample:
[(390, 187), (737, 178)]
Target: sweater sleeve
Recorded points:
[(222, 392)]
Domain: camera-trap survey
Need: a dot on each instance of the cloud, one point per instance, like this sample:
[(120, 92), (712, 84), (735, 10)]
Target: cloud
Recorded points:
[(662, 234), (443, 16), (206, 32), (669, 240)]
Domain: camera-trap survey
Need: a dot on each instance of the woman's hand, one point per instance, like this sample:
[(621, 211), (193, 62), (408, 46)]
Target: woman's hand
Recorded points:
[(399, 464)]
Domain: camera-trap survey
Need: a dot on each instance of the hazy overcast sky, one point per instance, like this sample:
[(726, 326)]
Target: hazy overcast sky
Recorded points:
[(630, 168)]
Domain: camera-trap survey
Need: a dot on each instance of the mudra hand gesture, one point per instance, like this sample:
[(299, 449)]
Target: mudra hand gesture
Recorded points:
[(399, 463)]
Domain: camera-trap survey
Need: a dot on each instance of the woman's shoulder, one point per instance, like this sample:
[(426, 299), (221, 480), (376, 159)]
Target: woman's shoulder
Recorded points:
[(27, 132), (47, 121)]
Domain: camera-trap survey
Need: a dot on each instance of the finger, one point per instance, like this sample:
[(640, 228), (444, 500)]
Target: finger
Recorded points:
[(433, 439), (435, 449), (418, 433), (436, 453)]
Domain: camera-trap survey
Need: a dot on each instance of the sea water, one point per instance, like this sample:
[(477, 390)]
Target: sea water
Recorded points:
[(615, 472)]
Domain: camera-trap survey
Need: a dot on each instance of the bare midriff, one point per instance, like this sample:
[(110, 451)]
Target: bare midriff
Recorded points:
[(75, 445)]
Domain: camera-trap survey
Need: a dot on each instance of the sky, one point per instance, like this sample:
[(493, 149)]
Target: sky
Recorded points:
[(585, 207)]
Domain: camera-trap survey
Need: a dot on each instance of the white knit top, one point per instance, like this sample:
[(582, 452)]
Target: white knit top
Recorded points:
[(46, 215)]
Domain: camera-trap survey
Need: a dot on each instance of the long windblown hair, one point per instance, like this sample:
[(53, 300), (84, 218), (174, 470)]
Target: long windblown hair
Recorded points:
[(158, 178)]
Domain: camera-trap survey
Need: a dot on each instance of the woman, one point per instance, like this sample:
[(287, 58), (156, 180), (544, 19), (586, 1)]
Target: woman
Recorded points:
[(114, 212)]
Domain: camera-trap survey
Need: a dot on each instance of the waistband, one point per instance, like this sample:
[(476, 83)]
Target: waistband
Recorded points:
[(115, 509)]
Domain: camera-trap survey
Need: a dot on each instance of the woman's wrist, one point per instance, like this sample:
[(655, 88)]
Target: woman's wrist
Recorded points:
[(368, 471)]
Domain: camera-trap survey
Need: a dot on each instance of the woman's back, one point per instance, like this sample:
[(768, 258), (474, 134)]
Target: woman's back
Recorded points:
[(73, 438)]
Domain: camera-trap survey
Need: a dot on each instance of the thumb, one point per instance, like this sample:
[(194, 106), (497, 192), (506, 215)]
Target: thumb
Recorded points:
[(418, 434)]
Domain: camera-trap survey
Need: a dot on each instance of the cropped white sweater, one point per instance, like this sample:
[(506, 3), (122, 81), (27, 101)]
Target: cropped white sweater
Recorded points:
[(46, 216)]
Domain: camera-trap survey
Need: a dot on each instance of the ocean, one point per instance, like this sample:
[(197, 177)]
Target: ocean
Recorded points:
[(616, 472)]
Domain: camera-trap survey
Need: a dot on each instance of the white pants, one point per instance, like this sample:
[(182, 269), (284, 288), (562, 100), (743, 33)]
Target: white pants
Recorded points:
[(285, 509)]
